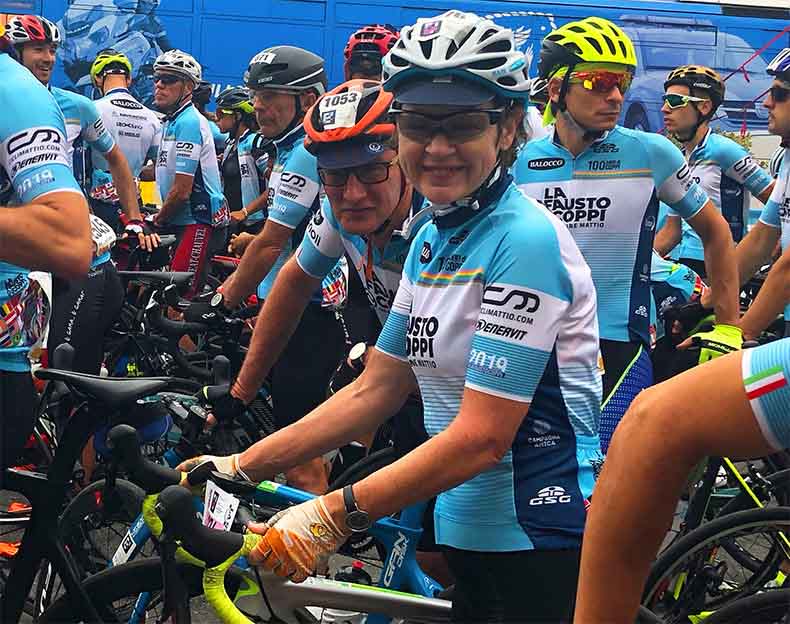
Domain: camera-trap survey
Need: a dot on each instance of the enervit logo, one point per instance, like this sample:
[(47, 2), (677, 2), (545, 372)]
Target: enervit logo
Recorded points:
[(543, 164), (552, 495)]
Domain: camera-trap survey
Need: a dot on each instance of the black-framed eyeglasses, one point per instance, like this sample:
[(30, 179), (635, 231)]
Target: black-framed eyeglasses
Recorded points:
[(166, 79), (779, 93), (371, 173), (457, 127)]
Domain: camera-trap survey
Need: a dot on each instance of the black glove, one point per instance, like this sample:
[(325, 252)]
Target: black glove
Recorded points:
[(224, 406)]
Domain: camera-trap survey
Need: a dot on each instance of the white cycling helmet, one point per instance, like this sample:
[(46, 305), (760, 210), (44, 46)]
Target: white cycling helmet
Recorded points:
[(472, 57), (181, 63), (776, 162)]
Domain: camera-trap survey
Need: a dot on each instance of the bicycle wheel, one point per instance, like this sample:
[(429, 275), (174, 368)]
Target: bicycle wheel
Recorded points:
[(699, 574), (771, 607), (116, 594)]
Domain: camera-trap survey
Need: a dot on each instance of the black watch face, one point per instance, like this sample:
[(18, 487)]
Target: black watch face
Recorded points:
[(216, 300), (358, 521)]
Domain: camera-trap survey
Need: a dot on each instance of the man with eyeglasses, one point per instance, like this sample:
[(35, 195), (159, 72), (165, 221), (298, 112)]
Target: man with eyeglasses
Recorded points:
[(724, 169), (285, 82), (605, 182), (194, 207), (774, 224)]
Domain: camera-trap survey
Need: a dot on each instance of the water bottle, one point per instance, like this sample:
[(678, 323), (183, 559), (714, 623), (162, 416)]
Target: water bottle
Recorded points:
[(354, 573)]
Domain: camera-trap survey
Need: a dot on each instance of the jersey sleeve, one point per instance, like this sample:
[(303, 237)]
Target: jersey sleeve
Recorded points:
[(296, 188), (322, 247), (671, 174), (392, 339), (188, 144), (770, 214), (35, 157), (153, 149), (521, 313), (737, 164), (93, 130)]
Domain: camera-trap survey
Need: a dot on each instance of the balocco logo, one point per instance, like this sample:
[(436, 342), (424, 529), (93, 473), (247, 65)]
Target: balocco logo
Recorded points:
[(129, 104), (542, 164)]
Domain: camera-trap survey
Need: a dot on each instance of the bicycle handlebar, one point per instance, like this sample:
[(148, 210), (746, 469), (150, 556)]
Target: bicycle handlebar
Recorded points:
[(218, 549)]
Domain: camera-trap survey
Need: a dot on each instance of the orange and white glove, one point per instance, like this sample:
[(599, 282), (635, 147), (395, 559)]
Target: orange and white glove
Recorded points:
[(297, 540)]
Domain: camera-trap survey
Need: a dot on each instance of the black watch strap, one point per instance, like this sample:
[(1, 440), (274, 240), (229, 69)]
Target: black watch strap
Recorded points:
[(348, 499)]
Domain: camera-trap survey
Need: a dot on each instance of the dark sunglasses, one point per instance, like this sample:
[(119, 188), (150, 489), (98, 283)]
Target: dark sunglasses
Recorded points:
[(457, 127), (779, 94), (372, 173), (677, 100), (603, 81), (166, 79)]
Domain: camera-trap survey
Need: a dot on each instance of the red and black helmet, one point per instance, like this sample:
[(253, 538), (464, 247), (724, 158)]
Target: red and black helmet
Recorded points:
[(22, 29), (368, 44)]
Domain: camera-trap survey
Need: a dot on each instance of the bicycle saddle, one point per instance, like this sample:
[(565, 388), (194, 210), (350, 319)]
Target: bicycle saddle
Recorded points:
[(158, 278), (110, 392)]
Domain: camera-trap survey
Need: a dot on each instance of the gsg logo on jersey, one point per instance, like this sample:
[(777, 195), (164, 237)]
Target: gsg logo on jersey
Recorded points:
[(518, 300), (552, 495), (544, 164), (128, 104), (577, 212)]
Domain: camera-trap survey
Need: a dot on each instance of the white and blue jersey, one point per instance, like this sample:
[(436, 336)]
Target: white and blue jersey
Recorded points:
[(248, 172), (293, 197), (187, 147), (379, 269), (500, 300), (135, 129), (608, 198), (777, 210), (728, 174), (34, 161), (219, 137)]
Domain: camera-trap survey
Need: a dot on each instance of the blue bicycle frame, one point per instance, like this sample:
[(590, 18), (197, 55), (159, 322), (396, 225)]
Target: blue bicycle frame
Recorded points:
[(399, 536)]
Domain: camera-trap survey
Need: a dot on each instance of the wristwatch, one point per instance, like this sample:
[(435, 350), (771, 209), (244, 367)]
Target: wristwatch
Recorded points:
[(356, 519), (217, 302)]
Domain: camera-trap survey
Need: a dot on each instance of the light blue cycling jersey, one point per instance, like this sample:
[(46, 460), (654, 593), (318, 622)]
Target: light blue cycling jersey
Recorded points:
[(136, 130), (766, 372), (473, 312), (187, 147), (671, 284), (34, 160), (379, 269), (220, 137), (608, 198), (777, 210), (250, 171), (293, 198), (727, 173)]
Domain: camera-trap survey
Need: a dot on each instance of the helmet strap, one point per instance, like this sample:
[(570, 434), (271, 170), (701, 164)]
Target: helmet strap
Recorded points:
[(701, 119), (586, 134)]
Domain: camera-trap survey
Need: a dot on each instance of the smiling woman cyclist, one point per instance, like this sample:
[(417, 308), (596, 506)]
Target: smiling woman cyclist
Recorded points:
[(494, 321)]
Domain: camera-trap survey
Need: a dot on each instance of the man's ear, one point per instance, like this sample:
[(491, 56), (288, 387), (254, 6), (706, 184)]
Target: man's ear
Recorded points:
[(307, 99)]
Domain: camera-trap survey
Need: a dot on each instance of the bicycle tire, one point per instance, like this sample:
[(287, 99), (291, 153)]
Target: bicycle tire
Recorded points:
[(770, 607), (128, 581), (769, 520)]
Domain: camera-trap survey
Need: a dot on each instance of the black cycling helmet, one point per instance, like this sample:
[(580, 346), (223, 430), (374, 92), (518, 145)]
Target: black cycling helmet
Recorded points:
[(235, 98), (286, 68), (202, 93)]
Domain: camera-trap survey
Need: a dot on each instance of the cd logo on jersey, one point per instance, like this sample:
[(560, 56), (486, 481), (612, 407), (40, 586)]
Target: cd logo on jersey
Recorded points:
[(39, 136), (425, 254), (518, 300), (129, 104), (544, 164)]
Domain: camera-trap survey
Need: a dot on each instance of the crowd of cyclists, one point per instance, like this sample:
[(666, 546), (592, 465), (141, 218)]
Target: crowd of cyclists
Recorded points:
[(506, 275)]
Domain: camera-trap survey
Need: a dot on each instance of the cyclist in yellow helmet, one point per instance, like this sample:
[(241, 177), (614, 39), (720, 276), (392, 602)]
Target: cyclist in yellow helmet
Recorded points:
[(605, 183)]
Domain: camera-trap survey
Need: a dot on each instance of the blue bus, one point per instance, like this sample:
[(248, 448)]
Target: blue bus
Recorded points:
[(225, 34)]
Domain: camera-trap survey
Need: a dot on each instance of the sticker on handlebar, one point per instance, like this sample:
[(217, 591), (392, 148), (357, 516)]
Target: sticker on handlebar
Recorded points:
[(220, 507), (268, 486)]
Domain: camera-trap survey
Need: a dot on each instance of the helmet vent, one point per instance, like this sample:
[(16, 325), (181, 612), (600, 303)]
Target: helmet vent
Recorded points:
[(594, 44), (487, 63), (610, 44), (427, 47), (507, 81)]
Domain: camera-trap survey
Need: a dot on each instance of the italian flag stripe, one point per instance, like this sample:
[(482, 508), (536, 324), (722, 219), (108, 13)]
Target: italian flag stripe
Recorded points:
[(765, 382)]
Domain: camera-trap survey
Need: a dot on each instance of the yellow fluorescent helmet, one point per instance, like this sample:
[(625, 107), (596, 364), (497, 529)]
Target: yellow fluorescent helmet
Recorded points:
[(106, 58)]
